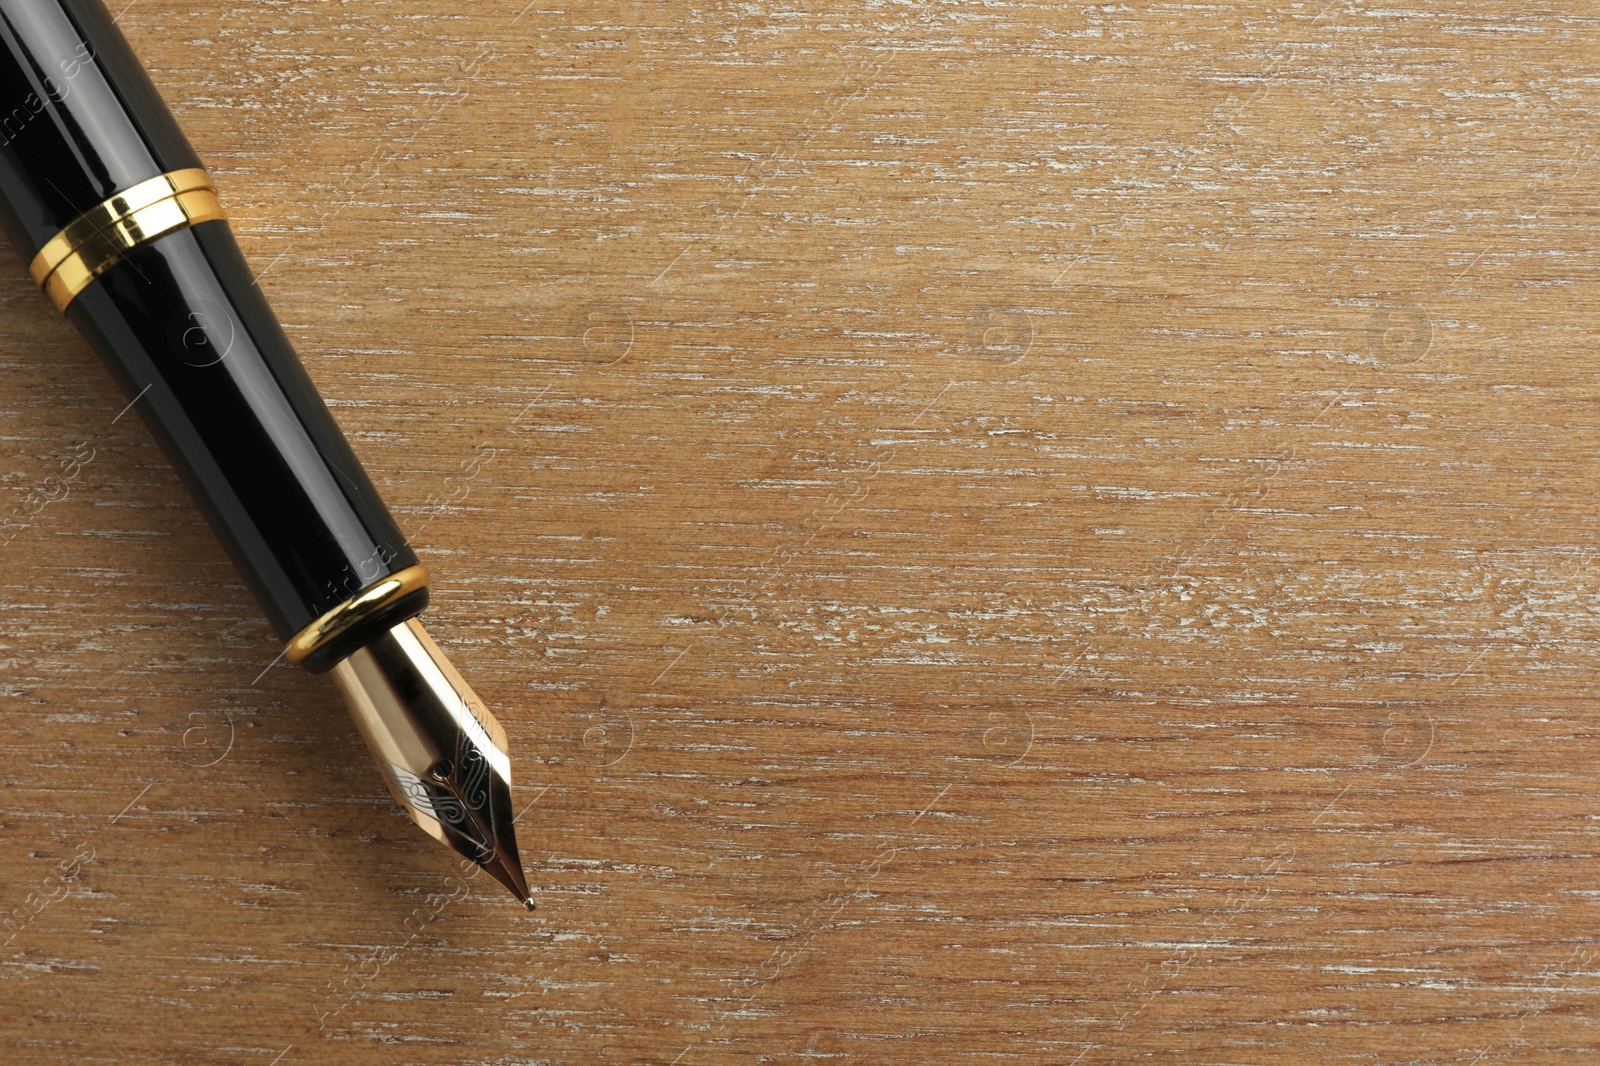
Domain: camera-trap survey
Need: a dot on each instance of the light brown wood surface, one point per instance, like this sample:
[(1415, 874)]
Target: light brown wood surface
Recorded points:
[(999, 533)]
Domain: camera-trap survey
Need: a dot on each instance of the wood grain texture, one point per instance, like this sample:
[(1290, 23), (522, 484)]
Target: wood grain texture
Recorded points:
[(999, 533)]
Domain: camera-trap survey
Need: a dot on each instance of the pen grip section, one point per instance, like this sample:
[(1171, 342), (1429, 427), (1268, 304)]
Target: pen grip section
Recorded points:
[(192, 341)]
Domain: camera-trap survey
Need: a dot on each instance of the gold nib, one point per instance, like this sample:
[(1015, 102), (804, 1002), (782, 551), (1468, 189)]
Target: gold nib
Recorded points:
[(443, 755)]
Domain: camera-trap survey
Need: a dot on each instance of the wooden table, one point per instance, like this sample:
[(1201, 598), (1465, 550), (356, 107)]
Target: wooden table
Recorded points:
[(1005, 533)]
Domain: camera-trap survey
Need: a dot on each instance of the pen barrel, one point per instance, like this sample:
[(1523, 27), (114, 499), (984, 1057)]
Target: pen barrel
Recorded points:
[(80, 119), (102, 194), (184, 330)]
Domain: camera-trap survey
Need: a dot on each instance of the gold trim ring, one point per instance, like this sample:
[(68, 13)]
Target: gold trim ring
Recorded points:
[(339, 620), (93, 242)]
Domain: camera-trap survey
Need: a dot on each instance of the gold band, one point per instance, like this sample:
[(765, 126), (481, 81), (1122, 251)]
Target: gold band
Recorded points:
[(341, 618), (93, 242)]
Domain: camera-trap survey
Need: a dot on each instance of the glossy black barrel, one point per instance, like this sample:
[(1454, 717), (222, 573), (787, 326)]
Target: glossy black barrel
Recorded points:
[(79, 118), (186, 332)]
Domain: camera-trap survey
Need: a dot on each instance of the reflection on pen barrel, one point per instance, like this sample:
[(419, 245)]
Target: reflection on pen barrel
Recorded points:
[(180, 325)]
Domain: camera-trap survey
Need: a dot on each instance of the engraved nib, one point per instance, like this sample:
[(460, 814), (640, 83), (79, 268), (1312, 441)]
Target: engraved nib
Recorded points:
[(443, 755)]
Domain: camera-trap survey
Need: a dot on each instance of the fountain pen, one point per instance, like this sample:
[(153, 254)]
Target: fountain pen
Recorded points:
[(122, 228)]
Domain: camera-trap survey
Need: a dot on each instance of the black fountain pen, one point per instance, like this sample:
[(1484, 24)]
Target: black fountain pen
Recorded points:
[(106, 200)]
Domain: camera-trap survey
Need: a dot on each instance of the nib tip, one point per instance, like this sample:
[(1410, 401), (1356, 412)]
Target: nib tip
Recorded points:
[(528, 903)]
